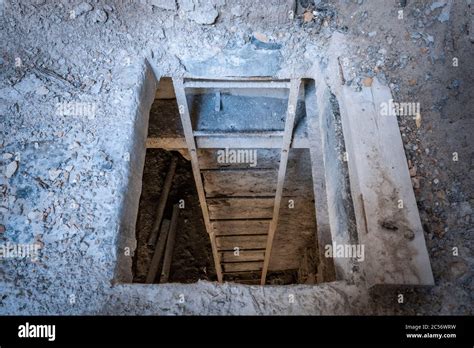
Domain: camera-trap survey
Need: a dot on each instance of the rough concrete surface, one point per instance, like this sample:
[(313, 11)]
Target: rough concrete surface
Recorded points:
[(65, 176)]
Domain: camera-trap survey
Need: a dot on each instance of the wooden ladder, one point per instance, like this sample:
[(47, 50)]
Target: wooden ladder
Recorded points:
[(242, 228)]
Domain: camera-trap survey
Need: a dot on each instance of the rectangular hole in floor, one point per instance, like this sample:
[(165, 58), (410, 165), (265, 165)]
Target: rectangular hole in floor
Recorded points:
[(239, 194)]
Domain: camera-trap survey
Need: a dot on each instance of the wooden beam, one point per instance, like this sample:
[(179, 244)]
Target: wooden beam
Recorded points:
[(221, 142), (242, 266), (158, 254), (235, 84), (243, 255), (162, 202), (241, 242), (289, 124), (165, 272), (264, 134), (240, 227), (191, 145), (388, 222), (240, 208), (240, 182)]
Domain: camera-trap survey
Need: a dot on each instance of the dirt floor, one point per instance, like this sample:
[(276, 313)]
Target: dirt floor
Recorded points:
[(192, 255)]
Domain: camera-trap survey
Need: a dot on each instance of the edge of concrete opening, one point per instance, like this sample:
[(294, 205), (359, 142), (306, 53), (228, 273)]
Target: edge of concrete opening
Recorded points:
[(348, 193)]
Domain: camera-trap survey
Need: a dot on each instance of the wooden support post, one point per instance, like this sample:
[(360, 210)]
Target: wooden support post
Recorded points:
[(287, 137), (163, 199), (165, 272), (191, 144), (159, 249)]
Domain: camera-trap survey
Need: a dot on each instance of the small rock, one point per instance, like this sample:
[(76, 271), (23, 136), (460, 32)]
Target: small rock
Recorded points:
[(2, 229), (11, 169), (7, 155), (261, 37), (416, 182), (54, 174), (99, 16), (437, 4), (413, 171), (367, 82), (389, 225), (372, 33), (204, 15), (458, 269), (80, 9), (42, 91), (164, 4), (308, 16), (34, 215), (409, 234)]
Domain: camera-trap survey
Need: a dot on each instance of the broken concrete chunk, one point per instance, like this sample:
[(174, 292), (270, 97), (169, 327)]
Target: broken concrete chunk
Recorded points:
[(42, 90), (80, 9), (204, 15), (164, 4), (186, 5), (11, 169), (99, 16), (54, 173)]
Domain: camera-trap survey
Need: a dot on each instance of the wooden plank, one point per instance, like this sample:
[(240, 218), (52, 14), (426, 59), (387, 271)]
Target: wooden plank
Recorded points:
[(296, 230), (240, 227), (165, 272), (242, 267), (234, 134), (241, 242), (244, 255), (300, 141), (246, 281), (158, 254), (240, 183), (320, 116), (212, 159), (287, 138), (162, 201), (170, 142), (235, 84), (379, 185), (167, 143), (191, 145), (257, 183), (240, 208)]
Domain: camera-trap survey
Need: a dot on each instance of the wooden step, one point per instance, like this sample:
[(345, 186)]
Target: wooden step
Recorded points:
[(266, 159), (242, 266), (218, 183), (241, 242), (240, 208), (244, 255), (240, 227)]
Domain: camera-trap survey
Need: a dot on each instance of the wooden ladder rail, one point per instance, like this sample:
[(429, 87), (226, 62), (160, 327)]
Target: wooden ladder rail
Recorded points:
[(287, 138), (179, 89)]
